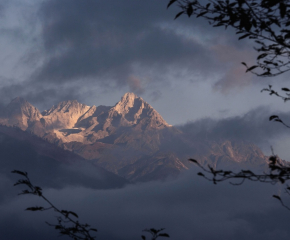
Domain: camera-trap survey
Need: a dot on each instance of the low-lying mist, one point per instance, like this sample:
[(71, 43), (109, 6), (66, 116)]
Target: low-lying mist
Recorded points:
[(188, 207)]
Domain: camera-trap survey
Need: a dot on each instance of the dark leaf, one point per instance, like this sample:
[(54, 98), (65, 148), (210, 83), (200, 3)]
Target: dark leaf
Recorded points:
[(262, 55), (287, 35), (200, 174), (163, 235), (282, 8), (192, 160), (178, 14), (189, 10), (20, 172), (34, 209), (171, 2), (273, 117), (275, 196), (251, 68), (143, 237), (201, 14), (73, 213), (281, 180), (286, 89), (227, 173)]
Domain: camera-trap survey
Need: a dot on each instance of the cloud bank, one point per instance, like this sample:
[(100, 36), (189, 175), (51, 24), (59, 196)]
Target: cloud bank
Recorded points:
[(72, 49), (189, 208)]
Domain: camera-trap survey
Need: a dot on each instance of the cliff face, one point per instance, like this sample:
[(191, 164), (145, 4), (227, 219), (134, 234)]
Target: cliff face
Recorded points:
[(130, 139), (20, 113)]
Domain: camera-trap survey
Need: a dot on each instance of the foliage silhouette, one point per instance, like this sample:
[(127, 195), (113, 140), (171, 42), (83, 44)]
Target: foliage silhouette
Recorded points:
[(66, 221), (278, 172), (155, 233), (265, 21)]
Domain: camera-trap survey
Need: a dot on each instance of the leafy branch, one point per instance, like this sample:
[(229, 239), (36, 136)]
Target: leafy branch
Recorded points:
[(67, 223), (278, 173), (265, 21), (155, 233), (284, 98)]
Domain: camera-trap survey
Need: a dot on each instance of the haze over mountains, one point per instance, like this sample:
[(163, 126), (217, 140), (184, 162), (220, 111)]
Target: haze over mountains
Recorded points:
[(130, 139)]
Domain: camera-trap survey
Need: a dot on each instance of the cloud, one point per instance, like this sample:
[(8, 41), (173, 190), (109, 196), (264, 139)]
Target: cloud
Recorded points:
[(231, 56), (82, 42), (89, 51), (252, 127), (75, 44), (86, 43), (189, 207), (135, 85)]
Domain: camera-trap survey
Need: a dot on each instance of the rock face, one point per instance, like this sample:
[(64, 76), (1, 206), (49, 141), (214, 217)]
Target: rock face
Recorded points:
[(20, 113), (70, 121), (130, 139)]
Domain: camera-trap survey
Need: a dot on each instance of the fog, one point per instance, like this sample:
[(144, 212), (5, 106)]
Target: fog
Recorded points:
[(188, 208)]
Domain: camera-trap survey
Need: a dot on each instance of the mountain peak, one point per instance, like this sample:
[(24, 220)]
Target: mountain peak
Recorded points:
[(129, 95), (129, 98), (65, 114), (20, 104), (21, 113), (136, 111), (66, 106), (19, 100), (128, 101)]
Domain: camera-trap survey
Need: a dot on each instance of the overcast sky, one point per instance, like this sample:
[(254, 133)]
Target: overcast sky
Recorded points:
[(95, 51)]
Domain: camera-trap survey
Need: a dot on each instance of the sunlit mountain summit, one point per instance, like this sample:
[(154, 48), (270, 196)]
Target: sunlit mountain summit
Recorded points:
[(130, 139)]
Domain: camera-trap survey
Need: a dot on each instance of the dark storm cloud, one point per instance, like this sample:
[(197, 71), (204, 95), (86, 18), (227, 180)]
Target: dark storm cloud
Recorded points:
[(42, 96), (253, 127), (105, 43), (105, 40)]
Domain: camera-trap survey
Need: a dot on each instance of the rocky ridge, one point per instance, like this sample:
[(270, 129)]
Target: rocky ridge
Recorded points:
[(130, 139)]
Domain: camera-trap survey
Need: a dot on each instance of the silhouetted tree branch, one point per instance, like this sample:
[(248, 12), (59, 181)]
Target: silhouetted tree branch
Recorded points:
[(66, 221), (67, 225), (155, 233), (265, 21), (278, 173)]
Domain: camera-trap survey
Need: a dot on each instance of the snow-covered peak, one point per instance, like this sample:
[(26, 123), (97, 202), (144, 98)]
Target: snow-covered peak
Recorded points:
[(134, 110), (19, 100), (21, 106), (72, 106), (21, 113), (65, 114), (128, 101)]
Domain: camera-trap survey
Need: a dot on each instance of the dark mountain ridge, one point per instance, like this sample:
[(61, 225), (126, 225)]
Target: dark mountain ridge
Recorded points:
[(50, 165)]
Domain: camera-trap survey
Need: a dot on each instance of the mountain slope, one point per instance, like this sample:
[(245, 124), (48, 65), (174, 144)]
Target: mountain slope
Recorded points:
[(49, 165), (20, 113), (130, 139)]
